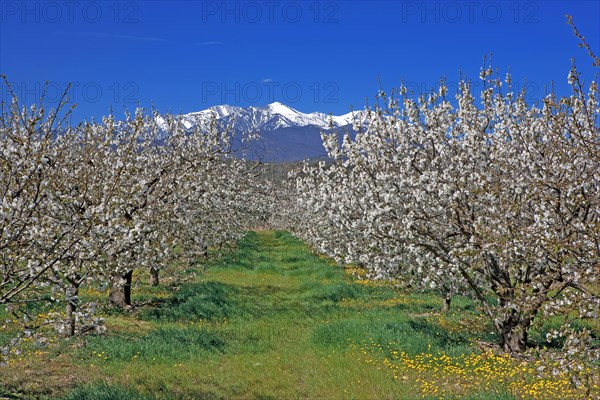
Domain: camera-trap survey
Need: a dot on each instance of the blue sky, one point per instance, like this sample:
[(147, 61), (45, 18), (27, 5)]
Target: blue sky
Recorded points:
[(184, 56)]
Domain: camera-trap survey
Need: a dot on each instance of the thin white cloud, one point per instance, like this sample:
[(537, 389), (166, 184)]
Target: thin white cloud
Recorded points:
[(267, 80), (209, 43), (125, 37)]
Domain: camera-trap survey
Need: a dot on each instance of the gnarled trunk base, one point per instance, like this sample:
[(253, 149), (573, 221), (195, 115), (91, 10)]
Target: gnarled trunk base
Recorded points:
[(72, 304), (514, 341), (446, 306), (513, 333), (120, 290), (154, 276)]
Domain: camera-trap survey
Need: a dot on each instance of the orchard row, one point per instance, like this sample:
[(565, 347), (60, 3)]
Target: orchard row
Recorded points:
[(88, 205), (493, 198)]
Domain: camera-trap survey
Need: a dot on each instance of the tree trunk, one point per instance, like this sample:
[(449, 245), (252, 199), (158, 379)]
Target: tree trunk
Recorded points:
[(446, 306), (120, 290), (72, 303), (205, 251), (515, 340), (128, 279), (154, 276), (513, 333)]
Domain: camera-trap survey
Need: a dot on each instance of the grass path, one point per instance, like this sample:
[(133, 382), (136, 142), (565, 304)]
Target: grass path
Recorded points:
[(274, 321)]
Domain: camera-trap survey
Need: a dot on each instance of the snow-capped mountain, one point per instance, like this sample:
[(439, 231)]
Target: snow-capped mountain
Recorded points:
[(273, 116), (285, 134)]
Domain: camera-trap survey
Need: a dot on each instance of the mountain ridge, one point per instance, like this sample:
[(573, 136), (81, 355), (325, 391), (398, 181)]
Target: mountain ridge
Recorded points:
[(273, 116), (285, 134)]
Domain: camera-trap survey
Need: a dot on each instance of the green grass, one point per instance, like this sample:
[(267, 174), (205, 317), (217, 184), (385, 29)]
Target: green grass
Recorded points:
[(264, 322), (271, 320), (104, 391)]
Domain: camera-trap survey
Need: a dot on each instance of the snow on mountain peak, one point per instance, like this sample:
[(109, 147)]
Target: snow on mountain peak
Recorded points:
[(282, 109), (272, 116), (286, 134)]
